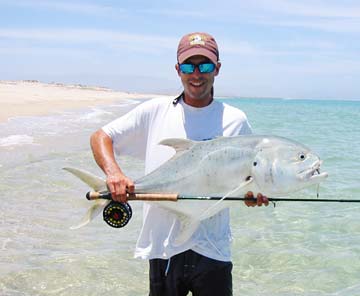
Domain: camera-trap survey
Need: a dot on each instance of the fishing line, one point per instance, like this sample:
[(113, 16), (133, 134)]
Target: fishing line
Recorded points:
[(224, 197)]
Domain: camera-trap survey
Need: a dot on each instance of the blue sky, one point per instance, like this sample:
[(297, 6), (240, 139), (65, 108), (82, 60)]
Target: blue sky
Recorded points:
[(268, 48)]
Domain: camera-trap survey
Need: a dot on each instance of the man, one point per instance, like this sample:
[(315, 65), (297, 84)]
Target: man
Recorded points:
[(202, 264)]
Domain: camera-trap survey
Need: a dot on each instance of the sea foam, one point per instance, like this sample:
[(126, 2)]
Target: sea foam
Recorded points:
[(16, 140)]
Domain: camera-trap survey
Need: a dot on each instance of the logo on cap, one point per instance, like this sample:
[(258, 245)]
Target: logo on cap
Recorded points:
[(197, 39)]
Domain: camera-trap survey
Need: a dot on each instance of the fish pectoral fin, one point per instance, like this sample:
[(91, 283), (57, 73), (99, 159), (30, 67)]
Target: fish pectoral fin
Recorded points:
[(92, 212), (213, 209), (188, 226), (95, 182)]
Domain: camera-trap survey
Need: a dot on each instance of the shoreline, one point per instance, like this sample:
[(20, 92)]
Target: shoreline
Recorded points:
[(34, 98)]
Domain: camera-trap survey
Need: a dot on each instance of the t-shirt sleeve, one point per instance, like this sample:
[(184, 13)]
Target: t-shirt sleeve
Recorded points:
[(129, 132), (235, 122), (245, 128)]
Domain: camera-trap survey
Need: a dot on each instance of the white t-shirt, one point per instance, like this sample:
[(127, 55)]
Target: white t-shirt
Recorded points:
[(138, 133)]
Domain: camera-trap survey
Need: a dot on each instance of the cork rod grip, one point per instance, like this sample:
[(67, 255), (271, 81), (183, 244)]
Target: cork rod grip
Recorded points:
[(93, 195)]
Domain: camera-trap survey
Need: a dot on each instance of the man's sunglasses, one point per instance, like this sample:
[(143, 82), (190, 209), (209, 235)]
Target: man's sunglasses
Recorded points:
[(203, 68)]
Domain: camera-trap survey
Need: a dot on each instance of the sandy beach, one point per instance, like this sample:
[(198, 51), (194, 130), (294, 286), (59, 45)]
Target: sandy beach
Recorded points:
[(30, 97)]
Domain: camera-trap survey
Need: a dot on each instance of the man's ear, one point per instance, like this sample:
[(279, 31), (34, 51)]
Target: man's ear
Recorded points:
[(177, 69), (217, 69)]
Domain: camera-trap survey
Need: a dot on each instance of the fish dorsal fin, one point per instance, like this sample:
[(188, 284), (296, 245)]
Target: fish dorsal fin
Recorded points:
[(93, 181), (178, 144)]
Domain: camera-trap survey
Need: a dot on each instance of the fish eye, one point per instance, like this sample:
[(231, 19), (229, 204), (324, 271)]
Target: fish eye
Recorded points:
[(302, 156)]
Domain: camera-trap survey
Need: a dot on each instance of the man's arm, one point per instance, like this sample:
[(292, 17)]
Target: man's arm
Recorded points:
[(117, 183)]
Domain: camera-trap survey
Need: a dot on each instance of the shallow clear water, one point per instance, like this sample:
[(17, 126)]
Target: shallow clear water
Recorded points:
[(292, 249)]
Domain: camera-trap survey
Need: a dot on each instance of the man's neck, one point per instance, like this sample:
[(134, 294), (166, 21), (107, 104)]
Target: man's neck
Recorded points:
[(198, 103)]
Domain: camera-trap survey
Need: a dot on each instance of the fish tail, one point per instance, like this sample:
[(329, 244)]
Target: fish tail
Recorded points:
[(93, 181)]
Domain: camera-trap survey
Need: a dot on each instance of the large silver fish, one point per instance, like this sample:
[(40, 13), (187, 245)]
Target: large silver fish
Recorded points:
[(225, 167)]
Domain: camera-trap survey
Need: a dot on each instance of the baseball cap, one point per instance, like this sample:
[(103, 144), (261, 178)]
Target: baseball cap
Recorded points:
[(197, 44)]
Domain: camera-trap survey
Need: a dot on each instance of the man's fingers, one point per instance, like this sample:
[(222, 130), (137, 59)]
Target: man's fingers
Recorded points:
[(260, 199), (265, 200), (121, 193), (249, 194), (130, 187), (119, 188), (250, 201)]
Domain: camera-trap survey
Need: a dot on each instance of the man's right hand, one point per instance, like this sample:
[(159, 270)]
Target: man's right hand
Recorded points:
[(119, 185)]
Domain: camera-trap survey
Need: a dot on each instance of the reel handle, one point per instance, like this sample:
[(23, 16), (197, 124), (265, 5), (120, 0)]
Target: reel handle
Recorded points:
[(93, 195)]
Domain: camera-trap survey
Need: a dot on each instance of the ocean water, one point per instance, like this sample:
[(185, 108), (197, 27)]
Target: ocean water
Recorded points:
[(291, 249)]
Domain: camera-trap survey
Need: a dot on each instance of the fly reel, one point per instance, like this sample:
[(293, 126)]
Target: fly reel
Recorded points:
[(117, 214)]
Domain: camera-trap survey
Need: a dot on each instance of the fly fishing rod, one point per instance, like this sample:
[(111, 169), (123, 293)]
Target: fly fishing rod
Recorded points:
[(118, 214)]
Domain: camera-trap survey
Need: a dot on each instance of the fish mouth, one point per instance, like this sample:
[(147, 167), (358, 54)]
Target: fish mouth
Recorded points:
[(313, 173)]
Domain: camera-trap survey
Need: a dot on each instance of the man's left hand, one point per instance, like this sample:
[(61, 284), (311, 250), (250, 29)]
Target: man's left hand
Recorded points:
[(260, 200)]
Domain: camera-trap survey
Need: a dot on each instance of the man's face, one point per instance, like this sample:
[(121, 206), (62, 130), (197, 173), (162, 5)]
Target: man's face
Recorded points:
[(197, 86)]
